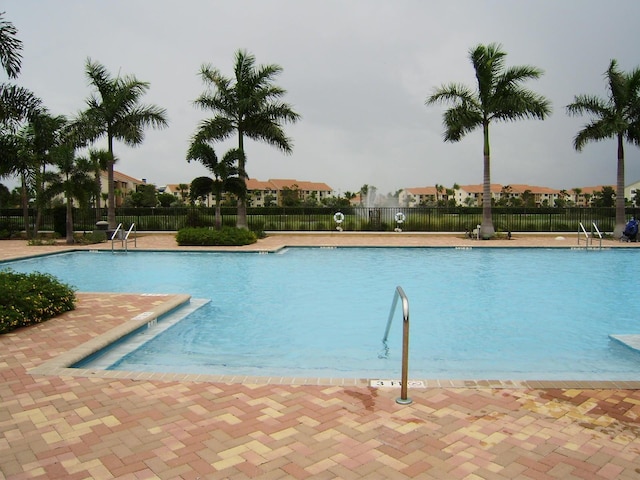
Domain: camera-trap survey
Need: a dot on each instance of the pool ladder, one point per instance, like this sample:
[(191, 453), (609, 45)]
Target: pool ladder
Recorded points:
[(589, 237), (399, 293), (123, 237)]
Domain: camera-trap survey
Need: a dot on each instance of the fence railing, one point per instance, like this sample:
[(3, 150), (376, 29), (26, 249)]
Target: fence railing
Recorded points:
[(417, 219)]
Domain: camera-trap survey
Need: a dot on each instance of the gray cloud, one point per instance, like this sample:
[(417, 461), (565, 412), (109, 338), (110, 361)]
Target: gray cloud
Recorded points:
[(358, 72)]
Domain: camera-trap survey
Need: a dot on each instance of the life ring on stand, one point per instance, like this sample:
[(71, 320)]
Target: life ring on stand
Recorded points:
[(400, 217), (338, 217)]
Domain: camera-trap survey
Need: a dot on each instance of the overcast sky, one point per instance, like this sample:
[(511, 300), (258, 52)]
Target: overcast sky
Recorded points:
[(357, 71)]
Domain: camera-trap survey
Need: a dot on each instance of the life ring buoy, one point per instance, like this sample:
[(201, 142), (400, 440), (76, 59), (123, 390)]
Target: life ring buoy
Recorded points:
[(338, 217), (400, 217)]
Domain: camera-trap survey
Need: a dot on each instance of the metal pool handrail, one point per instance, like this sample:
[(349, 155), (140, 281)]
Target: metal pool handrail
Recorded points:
[(399, 293), (594, 226), (115, 235), (124, 237), (135, 231), (586, 234)]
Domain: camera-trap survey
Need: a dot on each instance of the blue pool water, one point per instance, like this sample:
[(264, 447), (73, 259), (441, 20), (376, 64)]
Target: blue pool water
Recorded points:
[(480, 313)]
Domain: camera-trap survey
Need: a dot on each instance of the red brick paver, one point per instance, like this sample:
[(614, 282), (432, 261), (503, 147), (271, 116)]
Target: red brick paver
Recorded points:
[(82, 427)]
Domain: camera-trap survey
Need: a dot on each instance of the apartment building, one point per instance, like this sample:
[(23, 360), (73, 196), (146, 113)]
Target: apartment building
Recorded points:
[(472, 195), (274, 191), (123, 185), (262, 193)]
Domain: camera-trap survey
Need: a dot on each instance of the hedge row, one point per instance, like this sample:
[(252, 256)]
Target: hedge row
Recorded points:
[(226, 236)]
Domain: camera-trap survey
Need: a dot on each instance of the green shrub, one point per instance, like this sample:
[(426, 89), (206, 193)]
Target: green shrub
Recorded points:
[(226, 236), (90, 238), (41, 241), (195, 219), (29, 298)]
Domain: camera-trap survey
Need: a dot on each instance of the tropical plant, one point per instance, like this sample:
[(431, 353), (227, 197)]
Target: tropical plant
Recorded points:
[(47, 132), (183, 188), (74, 181), (97, 162), (225, 173), (166, 199), (145, 195), (114, 111), (499, 97), (616, 117), (16, 103), (30, 298), (247, 105), (200, 189), (19, 159)]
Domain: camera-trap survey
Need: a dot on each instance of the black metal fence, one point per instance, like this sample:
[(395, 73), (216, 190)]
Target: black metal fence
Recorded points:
[(418, 219)]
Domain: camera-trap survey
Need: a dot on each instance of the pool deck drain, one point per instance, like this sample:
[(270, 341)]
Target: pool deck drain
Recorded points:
[(59, 426)]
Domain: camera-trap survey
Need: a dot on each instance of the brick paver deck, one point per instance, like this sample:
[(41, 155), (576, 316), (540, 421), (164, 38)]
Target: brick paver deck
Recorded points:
[(77, 427)]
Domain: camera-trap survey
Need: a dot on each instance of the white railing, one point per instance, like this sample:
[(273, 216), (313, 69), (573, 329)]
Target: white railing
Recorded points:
[(589, 236), (123, 237), (595, 227)]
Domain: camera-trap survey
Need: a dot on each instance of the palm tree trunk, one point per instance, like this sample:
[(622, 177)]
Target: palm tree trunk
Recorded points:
[(111, 199), (25, 206), (98, 194), (37, 221), (486, 229), (241, 221), (69, 222), (39, 201), (218, 218), (620, 211)]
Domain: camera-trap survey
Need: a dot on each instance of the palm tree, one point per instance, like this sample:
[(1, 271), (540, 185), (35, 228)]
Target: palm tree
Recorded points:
[(249, 105), (616, 117), (576, 192), (97, 162), (48, 133), (224, 171), (74, 181), (183, 188), (27, 153), (16, 103), (114, 111), (16, 151), (499, 97)]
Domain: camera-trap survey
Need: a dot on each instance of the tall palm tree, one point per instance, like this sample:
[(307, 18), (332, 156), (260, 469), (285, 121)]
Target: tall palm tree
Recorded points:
[(499, 97), (16, 103), (114, 111), (249, 105), (616, 117)]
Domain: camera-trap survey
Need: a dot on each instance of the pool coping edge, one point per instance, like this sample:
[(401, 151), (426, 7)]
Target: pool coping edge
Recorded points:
[(61, 366)]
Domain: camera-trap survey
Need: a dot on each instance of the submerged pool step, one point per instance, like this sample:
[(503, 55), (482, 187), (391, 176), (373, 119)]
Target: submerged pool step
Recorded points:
[(631, 340), (109, 355)]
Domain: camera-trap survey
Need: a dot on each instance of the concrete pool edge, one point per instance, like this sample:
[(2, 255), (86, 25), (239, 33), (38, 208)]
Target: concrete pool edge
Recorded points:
[(63, 361), (60, 365)]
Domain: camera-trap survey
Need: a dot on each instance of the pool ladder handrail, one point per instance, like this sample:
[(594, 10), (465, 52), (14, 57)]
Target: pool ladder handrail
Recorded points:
[(124, 237), (589, 238), (399, 293)]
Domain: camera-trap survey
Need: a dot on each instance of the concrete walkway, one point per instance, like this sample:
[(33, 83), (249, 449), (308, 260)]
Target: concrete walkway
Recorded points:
[(77, 427)]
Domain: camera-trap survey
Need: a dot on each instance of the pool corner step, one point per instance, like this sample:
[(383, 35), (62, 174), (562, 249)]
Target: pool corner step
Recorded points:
[(631, 340)]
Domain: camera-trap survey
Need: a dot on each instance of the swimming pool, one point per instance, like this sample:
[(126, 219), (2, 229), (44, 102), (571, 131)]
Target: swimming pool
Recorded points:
[(475, 313)]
